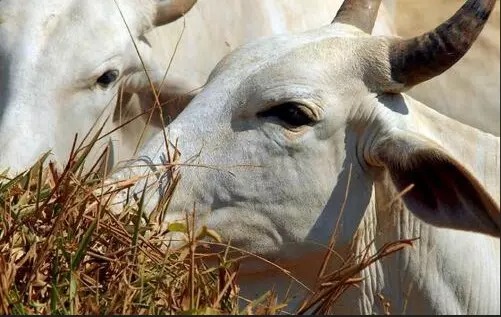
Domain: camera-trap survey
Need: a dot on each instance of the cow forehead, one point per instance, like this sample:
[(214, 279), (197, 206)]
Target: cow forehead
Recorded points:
[(250, 57), (32, 8), (42, 18), (41, 36), (285, 67)]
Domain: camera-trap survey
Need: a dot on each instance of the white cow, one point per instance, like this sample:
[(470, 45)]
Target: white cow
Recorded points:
[(61, 63), (298, 118)]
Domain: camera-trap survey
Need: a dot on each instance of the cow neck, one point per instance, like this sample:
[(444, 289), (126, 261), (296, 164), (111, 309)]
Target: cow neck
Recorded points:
[(447, 269)]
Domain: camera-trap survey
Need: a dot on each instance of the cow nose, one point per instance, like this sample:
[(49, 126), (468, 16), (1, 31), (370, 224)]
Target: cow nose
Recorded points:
[(149, 172)]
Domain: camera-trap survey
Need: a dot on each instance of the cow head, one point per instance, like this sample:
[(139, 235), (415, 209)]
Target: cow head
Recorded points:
[(61, 63), (284, 124)]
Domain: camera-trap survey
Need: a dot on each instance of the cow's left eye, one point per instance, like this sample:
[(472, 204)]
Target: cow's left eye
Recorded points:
[(107, 78), (290, 113)]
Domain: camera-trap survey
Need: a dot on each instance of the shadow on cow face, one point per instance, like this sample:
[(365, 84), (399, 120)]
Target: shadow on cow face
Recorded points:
[(4, 76), (62, 63), (346, 205)]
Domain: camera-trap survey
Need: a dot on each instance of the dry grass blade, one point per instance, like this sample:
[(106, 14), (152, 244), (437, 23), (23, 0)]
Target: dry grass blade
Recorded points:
[(333, 285)]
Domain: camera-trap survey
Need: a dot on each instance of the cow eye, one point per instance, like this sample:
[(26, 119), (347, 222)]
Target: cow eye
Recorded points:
[(290, 113), (107, 78)]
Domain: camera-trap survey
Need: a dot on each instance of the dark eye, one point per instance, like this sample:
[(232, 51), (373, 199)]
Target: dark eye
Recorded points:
[(292, 114), (107, 78)]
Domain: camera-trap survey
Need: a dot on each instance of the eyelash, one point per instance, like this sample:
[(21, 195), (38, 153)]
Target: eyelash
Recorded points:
[(290, 113)]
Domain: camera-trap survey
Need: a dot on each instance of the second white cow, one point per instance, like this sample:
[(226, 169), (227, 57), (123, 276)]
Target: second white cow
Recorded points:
[(61, 63), (285, 125)]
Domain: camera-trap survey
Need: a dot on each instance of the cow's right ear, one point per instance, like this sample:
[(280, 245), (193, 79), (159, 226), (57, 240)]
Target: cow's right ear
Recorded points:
[(444, 193), (170, 10)]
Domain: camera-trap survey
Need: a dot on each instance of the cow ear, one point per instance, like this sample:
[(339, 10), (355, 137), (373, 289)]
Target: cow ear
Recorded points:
[(444, 192), (170, 10), (173, 92)]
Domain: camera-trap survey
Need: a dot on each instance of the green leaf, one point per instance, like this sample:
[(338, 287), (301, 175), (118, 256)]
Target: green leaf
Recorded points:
[(206, 232), (177, 227), (82, 247)]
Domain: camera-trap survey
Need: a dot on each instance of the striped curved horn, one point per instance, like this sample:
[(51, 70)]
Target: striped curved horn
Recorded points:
[(423, 57), (359, 13)]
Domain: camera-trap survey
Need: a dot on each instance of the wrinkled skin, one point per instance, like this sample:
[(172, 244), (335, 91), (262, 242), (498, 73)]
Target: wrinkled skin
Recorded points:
[(288, 181)]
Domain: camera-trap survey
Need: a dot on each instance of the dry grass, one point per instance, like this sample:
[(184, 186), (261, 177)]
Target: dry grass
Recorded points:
[(62, 251)]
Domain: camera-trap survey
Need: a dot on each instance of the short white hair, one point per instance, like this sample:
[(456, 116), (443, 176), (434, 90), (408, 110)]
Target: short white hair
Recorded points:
[(140, 13)]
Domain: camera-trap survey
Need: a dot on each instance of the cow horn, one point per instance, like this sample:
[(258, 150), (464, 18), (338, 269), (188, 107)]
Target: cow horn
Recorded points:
[(359, 13), (421, 58), (170, 10)]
